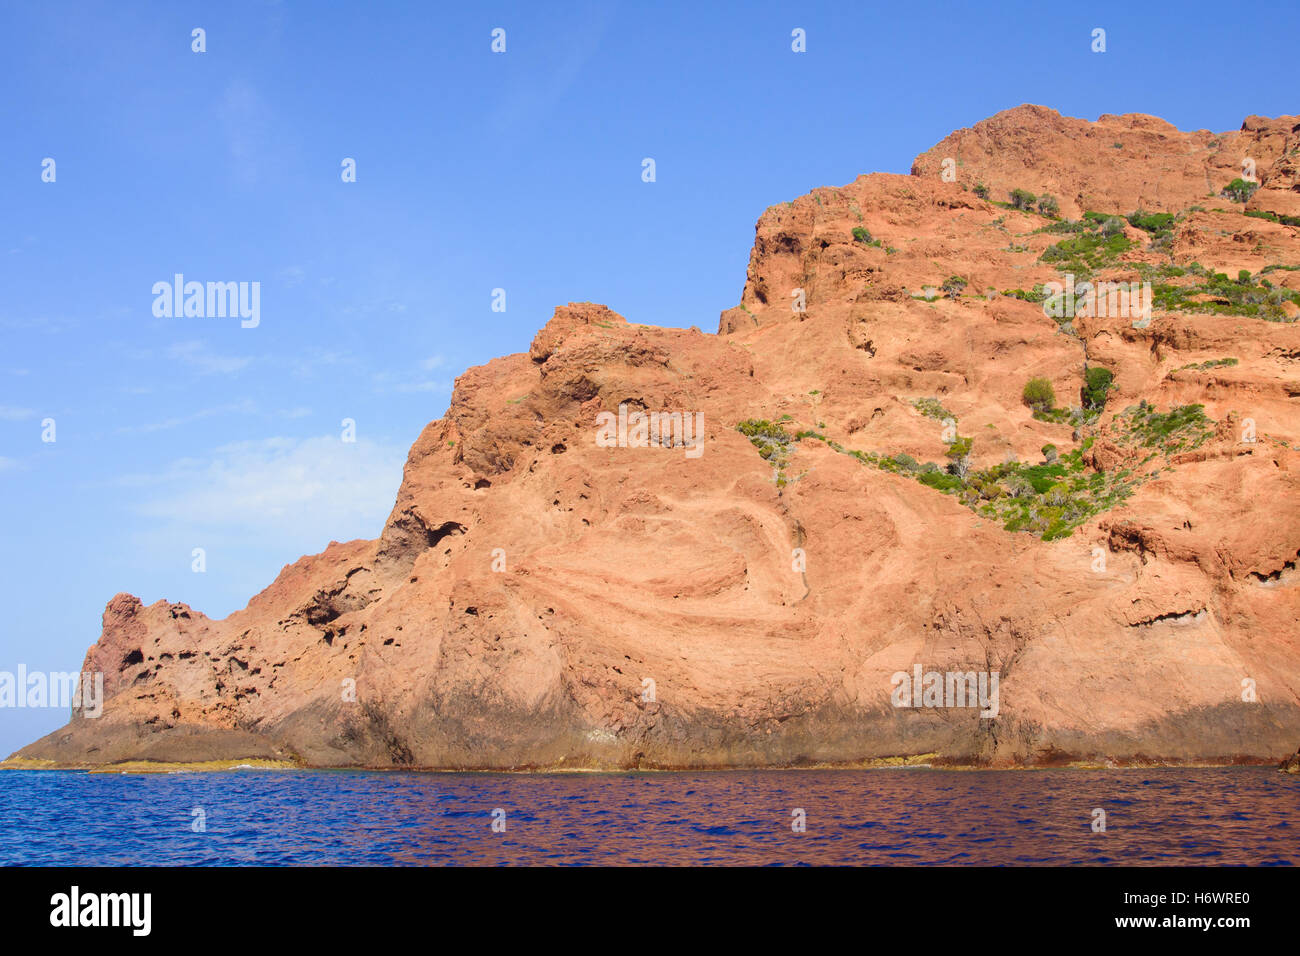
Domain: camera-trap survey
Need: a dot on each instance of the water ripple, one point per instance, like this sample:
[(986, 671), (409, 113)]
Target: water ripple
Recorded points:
[(933, 817)]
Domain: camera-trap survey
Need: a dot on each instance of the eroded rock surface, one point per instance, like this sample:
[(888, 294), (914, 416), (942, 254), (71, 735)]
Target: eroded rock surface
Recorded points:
[(537, 600)]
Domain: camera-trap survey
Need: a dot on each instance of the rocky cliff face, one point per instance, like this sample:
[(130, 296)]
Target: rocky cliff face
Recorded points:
[(870, 493)]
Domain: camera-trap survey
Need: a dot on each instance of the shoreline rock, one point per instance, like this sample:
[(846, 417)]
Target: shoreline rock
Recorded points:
[(538, 597)]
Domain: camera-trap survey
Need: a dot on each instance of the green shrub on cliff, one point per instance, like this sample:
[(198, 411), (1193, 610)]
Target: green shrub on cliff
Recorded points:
[(932, 408), (771, 440), (1097, 382), (1038, 394), (1023, 199), (952, 286), (863, 235), (1239, 190)]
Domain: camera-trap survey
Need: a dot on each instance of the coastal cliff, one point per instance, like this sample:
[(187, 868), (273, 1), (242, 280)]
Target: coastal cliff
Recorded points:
[(872, 490)]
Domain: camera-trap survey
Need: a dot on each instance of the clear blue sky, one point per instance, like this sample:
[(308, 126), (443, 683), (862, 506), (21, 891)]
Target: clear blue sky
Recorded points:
[(475, 171)]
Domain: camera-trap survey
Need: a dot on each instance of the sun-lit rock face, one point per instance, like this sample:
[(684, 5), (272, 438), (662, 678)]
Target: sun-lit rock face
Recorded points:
[(867, 493)]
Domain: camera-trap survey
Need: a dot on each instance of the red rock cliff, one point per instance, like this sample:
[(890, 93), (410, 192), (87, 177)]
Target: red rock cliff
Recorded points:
[(538, 600)]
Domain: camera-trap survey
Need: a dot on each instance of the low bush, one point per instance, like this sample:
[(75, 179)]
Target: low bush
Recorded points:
[(1038, 394), (1097, 382), (1239, 190), (862, 235), (1023, 199), (952, 286)]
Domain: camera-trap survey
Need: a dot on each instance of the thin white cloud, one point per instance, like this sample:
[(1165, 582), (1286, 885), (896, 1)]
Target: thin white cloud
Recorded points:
[(307, 366), (50, 325), (389, 382), (531, 101), (11, 413), (429, 386), (246, 121), (295, 489), (197, 355), (245, 407)]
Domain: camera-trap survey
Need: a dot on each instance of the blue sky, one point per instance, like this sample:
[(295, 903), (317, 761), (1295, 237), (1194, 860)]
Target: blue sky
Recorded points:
[(475, 171)]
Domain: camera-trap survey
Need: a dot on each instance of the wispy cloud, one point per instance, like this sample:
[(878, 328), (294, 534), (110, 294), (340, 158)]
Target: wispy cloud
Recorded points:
[(245, 407), (246, 120), (298, 488), (531, 101), (197, 355), (306, 366), (389, 382), (430, 386), (11, 413), (50, 325)]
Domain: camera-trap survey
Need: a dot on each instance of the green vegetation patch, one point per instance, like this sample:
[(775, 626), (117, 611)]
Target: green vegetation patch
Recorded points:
[(1239, 190), (952, 286), (1022, 199), (862, 235), (1217, 293), (1047, 500), (1206, 366), (1087, 252), (772, 441), (932, 408), (1038, 394), (1038, 294), (1182, 428), (1153, 222), (1274, 217), (1097, 382), (1063, 226)]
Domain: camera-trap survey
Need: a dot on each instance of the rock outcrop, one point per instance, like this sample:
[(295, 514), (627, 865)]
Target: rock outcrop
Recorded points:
[(546, 595)]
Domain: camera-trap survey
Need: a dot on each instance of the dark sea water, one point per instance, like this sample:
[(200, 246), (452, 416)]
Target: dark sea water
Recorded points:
[(908, 817)]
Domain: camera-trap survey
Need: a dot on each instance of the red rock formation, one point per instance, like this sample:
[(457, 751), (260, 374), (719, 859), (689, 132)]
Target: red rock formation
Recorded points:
[(529, 583)]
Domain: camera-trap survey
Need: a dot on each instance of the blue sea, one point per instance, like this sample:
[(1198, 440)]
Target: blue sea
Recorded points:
[(878, 817)]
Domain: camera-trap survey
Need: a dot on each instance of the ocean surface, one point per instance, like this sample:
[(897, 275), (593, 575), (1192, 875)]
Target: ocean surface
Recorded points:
[(881, 817)]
